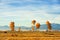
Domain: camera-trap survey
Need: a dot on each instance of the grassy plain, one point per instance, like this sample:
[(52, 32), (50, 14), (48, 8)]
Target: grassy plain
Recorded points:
[(29, 35)]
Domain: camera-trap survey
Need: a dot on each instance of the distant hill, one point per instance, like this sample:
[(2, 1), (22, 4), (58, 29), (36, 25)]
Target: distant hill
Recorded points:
[(54, 26), (42, 27)]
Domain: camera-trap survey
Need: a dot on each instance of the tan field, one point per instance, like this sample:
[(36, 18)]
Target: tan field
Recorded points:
[(29, 35)]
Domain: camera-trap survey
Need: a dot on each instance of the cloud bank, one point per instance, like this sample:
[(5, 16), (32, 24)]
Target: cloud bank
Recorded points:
[(23, 11)]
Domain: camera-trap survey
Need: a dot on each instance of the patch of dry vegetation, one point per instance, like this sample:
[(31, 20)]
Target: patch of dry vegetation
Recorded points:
[(29, 35)]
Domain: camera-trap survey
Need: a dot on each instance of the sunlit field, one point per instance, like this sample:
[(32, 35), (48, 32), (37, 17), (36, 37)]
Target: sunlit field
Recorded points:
[(29, 35)]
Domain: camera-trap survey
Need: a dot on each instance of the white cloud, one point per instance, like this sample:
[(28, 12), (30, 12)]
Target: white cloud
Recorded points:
[(57, 19), (27, 13)]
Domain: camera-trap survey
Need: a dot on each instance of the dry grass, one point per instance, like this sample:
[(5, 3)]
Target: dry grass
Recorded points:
[(29, 35)]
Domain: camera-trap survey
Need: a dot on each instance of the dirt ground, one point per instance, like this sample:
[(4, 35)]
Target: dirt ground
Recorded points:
[(29, 35)]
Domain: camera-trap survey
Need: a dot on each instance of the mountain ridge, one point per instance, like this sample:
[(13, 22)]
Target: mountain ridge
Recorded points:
[(42, 27)]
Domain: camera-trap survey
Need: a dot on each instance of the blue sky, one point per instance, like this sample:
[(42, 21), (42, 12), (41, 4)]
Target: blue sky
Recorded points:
[(22, 12)]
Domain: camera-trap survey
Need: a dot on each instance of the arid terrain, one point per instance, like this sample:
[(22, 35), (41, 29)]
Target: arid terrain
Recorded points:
[(29, 35)]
